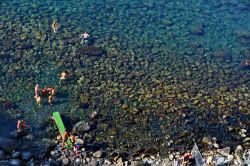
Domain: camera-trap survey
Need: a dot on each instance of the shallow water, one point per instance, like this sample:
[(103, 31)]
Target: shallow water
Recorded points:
[(164, 59)]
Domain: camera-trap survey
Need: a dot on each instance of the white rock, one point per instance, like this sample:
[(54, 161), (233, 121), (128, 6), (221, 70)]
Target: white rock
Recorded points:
[(108, 162), (239, 160), (52, 153), (79, 141), (88, 159), (177, 156), (206, 141), (224, 151), (98, 154), (220, 161), (239, 149), (77, 160), (214, 139), (216, 145), (171, 156), (229, 159), (150, 161), (65, 161), (119, 162), (126, 163), (209, 160), (242, 133), (246, 157), (59, 137), (152, 157), (246, 139)]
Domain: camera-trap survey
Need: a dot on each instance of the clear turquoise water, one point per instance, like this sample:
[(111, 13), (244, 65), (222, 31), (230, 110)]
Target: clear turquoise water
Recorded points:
[(193, 45)]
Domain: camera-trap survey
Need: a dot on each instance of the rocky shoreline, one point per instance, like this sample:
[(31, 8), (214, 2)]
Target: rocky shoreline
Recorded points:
[(21, 150)]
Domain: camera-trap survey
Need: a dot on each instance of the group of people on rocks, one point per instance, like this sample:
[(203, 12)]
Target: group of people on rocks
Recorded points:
[(49, 91)]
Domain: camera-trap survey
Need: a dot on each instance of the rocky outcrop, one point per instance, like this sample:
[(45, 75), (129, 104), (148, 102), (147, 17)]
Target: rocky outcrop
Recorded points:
[(90, 51)]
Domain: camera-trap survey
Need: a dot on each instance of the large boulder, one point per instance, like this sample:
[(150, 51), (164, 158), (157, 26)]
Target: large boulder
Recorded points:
[(44, 147), (98, 154), (91, 51), (81, 127), (8, 145)]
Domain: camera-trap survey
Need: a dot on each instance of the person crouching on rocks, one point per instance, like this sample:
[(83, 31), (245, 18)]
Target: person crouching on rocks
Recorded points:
[(64, 138), (72, 137)]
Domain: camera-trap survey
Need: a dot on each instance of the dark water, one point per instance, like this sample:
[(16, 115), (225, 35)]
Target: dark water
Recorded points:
[(171, 68)]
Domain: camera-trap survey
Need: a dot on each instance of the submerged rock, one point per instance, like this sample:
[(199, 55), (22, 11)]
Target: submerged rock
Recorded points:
[(16, 155), (198, 30), (2, 155), (81, 127), (26, 155), (91, 51), (15, 162), (244, 35), (8, 145), (245, 64)]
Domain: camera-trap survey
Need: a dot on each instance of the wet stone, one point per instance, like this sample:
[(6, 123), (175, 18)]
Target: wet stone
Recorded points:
[(15, 162), (8, 145), (2, 155), (81, 127), (98, 154), (26, 155), (4, 162), (80, 141), (138, 163), (247, 139), (224, 151), (93, 162), (198, 30), (206, 141), (65, 161), (91, 51), (16, 155)]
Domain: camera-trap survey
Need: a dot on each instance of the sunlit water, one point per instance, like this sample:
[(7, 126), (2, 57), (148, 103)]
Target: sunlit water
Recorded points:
[(171, 48)]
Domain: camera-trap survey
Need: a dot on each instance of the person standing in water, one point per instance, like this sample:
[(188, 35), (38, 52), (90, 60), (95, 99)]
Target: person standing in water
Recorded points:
[(37, 89), (64, 76), (50, 99), (38, 100), (55, 26), (85, 36)]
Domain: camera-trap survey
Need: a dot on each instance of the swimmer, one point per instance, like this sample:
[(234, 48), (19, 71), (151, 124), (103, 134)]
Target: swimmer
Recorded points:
[(55, 26), (64, 76), (85, 36)]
